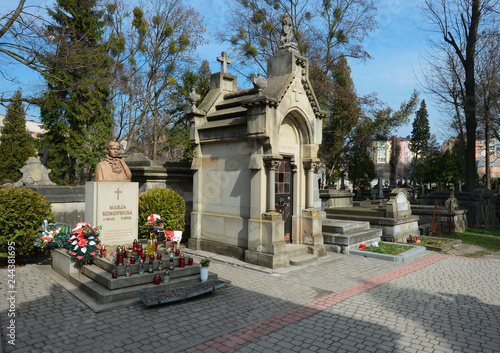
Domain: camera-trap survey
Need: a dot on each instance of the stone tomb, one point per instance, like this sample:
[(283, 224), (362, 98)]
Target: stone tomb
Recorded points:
[(115, 207), (395, 218)]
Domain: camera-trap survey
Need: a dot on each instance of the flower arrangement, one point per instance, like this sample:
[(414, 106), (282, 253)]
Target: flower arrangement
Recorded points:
[(85, 242), (154, 220), (205, 262), (415, 240), (362, 247), (53, 235)]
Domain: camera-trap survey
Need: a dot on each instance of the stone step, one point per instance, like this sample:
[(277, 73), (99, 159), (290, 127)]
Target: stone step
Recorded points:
[(352, 238), (107, 265), (231, 112), (302, 260), (294, 250), (103, 277), (104, 295), (343, 226)]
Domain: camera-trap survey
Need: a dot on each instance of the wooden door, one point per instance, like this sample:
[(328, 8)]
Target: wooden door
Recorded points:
[(284, 195)]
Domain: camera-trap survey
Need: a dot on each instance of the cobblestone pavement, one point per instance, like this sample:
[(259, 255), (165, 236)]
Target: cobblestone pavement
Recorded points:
[(435, 303)]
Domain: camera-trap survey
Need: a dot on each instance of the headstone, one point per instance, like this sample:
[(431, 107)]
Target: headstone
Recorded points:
[(398, 205), (115, 207), (34, 174)]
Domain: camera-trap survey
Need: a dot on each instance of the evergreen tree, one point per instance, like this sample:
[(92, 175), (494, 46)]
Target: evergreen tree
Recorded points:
[(76, 109), (16, 144), (420, 133)]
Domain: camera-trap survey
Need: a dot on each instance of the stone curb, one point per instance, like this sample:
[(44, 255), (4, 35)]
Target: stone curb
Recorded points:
[(394, 258)]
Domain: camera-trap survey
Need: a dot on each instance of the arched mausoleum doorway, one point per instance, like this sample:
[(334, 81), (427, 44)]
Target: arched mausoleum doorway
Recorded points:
[(290, 181)]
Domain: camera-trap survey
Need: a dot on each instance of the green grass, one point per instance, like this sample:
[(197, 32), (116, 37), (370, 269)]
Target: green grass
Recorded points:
[(434, 242), (389, 249), (488, 239)]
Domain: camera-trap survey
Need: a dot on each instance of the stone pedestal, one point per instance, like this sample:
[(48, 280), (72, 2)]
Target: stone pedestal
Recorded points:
[(272, 249), (335, 198), (115, 207)]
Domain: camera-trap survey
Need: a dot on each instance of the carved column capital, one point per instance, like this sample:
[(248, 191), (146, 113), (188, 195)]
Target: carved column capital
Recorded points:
[(271, 162), (311, 164)]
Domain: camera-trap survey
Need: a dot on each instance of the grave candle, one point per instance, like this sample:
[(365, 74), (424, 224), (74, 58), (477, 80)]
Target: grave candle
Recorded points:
[(102, 253), (158, 256), (132, 260), (150, 268), (160, 265), (134, 245), (178, 249), (171, 262), (144, 255), (190, 261), (114, 274), (152, 256), (167, 243), (166, 277), (182, 261), (119, 256), (127, 269), (157, 279), (156, 244), (141, 267), (150, 247), (139, 249)]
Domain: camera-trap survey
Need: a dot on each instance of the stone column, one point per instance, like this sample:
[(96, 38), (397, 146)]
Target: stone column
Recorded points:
[(309, 166), (271, 164)]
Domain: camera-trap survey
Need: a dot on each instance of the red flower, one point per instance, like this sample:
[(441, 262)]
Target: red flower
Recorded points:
[(79, 237), (92, 253), (79, 257), (73, 253), (98, 246), (362, 246), (82, 242)]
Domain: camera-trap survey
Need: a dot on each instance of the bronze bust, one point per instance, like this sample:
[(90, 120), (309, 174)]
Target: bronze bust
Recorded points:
[(113, 168)]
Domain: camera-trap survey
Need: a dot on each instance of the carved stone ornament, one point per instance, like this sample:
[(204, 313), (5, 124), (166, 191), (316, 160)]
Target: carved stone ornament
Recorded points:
[(259, 82), (193, 98), (271, 163)]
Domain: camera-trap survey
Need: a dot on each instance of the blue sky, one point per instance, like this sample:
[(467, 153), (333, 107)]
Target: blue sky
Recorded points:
[(396, 49)]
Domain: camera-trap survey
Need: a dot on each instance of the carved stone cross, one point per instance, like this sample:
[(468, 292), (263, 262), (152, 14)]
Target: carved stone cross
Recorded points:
[(118, 192), (296, 88), (44, 153), (224, 60)]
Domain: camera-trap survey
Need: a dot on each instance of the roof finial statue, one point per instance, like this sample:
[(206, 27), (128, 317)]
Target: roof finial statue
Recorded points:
[(193, 98), (287, 34)]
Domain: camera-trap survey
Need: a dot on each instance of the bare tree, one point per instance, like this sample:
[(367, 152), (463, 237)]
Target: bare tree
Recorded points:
[(458, 23)]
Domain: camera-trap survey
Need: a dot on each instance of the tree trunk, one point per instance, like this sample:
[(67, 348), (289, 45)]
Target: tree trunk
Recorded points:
[(470, 103), (487, 167)]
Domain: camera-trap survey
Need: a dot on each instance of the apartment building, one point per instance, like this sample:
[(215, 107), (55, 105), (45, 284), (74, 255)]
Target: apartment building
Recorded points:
[(34, 128), (381, 151)]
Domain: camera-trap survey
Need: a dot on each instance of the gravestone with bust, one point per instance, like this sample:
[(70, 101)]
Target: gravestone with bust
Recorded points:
[(112, 201)]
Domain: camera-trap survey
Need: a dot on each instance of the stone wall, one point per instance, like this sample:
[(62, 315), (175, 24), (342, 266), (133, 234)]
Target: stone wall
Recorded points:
[(68, 202)]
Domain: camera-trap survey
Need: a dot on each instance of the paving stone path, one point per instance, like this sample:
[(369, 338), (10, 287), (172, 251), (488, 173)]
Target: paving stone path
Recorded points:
[(436, 303)]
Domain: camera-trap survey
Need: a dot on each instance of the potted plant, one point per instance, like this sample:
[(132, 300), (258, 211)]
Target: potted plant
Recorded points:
[(204, 263)]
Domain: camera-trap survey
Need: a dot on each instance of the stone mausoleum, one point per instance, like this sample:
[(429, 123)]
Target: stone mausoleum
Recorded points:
[(254, 160)]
